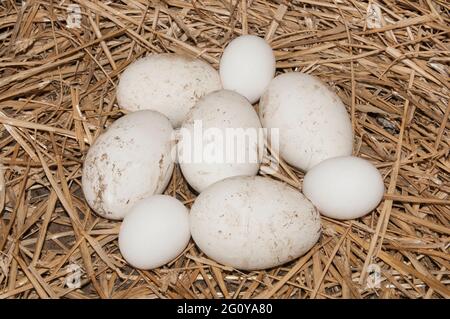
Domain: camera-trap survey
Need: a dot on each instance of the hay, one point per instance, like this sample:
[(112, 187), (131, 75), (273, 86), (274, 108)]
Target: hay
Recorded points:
[(388, 61)]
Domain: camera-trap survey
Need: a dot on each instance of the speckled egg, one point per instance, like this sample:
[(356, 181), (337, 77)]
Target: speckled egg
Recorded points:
[(168, 83), (253, 222)]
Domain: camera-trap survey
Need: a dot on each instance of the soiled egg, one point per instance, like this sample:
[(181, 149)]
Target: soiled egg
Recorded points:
[(168, 83), (312, 120), (247, 66), (253, 222), (131, 160), (154, 232), (220, 138), (344, 187)]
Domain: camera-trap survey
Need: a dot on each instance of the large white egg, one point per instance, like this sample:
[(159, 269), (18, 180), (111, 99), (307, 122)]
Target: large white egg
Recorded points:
[(312, 120), (220, 138), (168, 83), (344, 187), (131, 160), (154, 232), (247, 66), (253, 222)]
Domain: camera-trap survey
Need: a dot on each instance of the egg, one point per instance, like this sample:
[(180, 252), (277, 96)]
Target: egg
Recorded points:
[(154, 232), (253, 222), (131, 160), (247, 66), (220, 138), (312, 121), (168, 83), (344, 187)]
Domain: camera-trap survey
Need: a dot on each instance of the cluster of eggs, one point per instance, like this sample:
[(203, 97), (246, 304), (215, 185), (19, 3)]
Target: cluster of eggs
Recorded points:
[(239, 219)]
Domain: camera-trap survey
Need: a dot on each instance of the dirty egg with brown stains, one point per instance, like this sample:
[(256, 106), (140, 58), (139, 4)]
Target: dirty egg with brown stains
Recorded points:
[(131, 160)]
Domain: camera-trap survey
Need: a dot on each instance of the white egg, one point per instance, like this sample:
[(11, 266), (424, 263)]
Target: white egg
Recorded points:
[(344, 187), (253, 222), (168, 83), (220, 138), (247, 66), (312, 120), (131, 160), (155, 232)]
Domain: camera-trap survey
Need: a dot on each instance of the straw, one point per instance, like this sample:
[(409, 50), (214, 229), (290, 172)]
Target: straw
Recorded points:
[(388, 61)]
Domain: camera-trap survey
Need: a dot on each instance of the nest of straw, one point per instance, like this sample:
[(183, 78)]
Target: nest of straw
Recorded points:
[(59, 66)]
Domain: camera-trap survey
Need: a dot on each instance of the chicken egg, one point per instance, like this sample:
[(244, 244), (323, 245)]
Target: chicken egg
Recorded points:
[(345, 187), (154, 232), (247, 66)]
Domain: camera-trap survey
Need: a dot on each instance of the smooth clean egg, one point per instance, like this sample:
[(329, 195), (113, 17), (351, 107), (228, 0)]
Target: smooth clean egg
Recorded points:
[(344, 187), (253, 222), (312, 121), (247, 66), (155, 232), (131, 160)]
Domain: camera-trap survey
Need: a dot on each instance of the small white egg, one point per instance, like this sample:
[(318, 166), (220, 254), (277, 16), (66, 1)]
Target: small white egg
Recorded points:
[(220, 138), (154, 232), (344, 187), (168, 83), (131, 160), (253, 222), (247, 66), (312, 120)]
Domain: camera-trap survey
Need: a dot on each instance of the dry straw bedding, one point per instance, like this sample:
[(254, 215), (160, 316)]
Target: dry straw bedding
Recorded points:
[(388, 60)]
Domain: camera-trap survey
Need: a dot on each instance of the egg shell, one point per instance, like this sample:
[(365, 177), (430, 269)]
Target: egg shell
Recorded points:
[(253, 222), (247, 66), (220, 110), (131, 160), (154, 232), (344, 187), (168, 83), (312, 120)]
